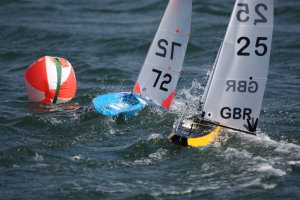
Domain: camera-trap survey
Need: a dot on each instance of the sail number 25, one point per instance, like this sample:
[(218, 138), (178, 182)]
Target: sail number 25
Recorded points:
[(242, 14), (261, 47)]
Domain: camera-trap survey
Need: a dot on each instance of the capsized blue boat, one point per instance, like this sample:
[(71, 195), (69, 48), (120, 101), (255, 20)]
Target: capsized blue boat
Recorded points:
[(125, 104)]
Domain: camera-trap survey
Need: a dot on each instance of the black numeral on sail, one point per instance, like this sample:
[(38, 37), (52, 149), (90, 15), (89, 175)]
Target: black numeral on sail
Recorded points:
[(158, 76), (259, 45), (262, 45), (247, 43), (167, 79), (262, 19), (244, 9), (242, 14), (162, 44), (173, 47)]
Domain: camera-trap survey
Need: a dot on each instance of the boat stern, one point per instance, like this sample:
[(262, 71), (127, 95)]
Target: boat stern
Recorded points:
[(194, 133)]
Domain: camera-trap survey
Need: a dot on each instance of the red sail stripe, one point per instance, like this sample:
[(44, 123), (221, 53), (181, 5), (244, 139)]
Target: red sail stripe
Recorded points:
[(137, 88), (167, 102)]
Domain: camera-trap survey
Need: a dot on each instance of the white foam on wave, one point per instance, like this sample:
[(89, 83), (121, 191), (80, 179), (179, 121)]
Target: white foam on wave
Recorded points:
[(269, 186), (172, 190), (38, 157), (232, 152), (154, 136), (286, 147), (158, 155), (294, 162), (110, 129), (283, 151), (258, 162), (263, 140), (263, 164), (257, 182), (265, 167), (77, 158), (190, 96), (244, 154), (57, 114), (53, 120)]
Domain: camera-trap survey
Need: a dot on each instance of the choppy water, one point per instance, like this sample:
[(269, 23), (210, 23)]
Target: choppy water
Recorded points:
[(71, 152)]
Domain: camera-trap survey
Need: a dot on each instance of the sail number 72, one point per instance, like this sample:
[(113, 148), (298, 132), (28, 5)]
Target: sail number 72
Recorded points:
[(167, 79), (162, 43)]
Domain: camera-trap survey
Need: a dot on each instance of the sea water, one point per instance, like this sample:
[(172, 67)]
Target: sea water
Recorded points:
[(70, 151)]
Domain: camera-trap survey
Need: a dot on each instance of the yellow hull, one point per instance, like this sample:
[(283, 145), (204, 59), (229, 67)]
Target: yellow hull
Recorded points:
[(204, 140), (199, 141)]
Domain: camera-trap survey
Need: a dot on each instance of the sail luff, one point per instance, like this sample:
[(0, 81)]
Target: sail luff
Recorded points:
[(206, 89)]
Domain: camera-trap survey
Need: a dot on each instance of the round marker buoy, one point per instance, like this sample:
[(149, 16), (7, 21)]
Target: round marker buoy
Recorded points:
[(50, 80)]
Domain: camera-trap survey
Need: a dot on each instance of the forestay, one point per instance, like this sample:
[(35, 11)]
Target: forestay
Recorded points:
[(162, 67), (237, 83)]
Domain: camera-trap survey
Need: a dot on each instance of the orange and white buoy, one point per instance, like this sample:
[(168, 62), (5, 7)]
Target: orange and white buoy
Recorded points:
[(50, 80)]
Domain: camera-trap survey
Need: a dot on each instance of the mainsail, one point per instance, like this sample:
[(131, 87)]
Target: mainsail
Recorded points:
[(162, 67), (235, 89)]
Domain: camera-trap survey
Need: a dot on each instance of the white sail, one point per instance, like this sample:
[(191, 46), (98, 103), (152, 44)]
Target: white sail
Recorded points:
[(210, 78), (236, 87), (162, 67)]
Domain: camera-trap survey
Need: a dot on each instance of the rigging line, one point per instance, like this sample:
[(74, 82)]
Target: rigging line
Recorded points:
[(181, 116), (235, 129), (120, 85)]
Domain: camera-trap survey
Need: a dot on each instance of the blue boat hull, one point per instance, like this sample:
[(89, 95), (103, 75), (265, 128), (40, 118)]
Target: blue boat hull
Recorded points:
[(123, 104)]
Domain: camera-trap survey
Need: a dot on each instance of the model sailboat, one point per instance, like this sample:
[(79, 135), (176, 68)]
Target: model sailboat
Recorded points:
[(235, 89), (158, 78)]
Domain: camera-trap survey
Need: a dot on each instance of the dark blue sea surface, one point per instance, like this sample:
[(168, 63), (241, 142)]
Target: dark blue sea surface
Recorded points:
[(70, 151)]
